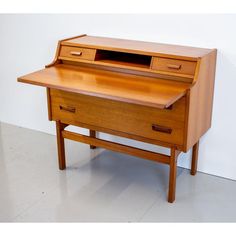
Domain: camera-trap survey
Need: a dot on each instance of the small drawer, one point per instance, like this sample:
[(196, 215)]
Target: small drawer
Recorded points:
[(173, 65), (165, 125), (78, 53)]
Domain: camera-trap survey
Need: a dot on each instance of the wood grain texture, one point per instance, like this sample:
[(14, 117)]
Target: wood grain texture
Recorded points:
[(117, 147), (60, 145), (194, 159), (78, 53), (174, 66), (121, 134), (120, 116), (140, 47), (116, 86), (172, 174), (131, 66), (125, 70), (155, 93), (56, 59), (200, 101), (49, 104)]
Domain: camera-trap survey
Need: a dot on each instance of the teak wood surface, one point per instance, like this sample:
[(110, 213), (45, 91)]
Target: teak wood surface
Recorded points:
[(116, 86), (156, 93), (165, 125), (139, 47)]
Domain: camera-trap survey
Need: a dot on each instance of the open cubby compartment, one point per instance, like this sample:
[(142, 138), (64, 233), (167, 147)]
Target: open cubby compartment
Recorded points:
[(123, 59)]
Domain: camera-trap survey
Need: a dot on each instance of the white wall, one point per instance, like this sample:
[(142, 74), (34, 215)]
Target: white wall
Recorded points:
[(28, 42)]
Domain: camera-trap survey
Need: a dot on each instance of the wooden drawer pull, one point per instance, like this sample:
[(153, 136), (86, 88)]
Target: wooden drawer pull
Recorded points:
[(172, 66), (76, 53), (69, 109), (162, 129)]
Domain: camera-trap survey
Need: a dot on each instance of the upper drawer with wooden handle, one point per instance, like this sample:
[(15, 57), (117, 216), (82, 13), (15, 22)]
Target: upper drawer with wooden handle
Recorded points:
[(173, 65), (77, 53)]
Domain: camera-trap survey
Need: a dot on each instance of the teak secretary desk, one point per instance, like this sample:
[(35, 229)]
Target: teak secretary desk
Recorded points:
[(156, 93)]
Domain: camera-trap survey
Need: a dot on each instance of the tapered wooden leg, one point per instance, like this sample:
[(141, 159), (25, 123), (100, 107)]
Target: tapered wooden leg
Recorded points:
[(92, 133), (172, 174), (194, 159), (60, 145)]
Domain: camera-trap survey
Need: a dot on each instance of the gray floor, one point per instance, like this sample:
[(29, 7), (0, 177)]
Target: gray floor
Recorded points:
[(99, 185)]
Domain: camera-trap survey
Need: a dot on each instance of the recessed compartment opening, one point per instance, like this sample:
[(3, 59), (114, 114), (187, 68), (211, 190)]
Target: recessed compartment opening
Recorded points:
[(123, 58)]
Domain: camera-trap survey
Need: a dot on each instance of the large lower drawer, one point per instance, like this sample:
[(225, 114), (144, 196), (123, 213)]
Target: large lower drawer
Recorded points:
[(166, 125)]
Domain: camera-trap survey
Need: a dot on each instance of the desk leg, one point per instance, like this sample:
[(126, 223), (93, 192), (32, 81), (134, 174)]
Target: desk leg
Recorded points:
[(92, 133), (172, 174), (60, 145), (194, 159)]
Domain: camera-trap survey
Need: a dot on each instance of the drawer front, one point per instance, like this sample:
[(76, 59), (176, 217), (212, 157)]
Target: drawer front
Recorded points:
[(78, 53), (163, 125), (172, 65)]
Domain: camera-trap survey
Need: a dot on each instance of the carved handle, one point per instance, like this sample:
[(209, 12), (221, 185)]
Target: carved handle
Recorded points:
[(172, 66), (162, 129), (76, 53), (69, 109)]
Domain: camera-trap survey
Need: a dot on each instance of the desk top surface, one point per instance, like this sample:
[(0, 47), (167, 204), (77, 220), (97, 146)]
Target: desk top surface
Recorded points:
[(134, 46), (135, 89)]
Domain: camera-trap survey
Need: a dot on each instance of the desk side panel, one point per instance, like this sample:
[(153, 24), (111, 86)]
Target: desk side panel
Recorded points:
[(200, 101)]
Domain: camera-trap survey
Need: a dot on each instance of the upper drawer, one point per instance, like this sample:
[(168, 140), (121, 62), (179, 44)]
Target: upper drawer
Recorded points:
[(173, 65), (78, 53)]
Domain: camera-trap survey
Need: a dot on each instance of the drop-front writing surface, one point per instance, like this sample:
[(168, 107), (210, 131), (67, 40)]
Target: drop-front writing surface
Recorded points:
[(155, 93), (131, 89)]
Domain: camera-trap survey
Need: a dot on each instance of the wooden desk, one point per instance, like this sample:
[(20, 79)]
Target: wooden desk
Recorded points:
[(155, 93)]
